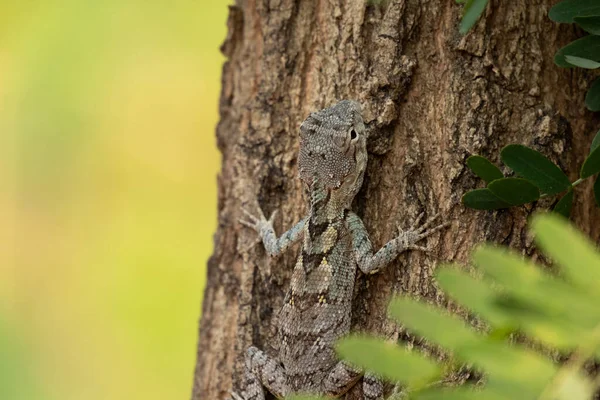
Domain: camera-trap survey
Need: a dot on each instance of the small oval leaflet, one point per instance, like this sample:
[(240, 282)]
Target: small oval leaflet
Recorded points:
[(582, 62), (570, 249), (536, 168), (483, 199), (591, 24), (472, 11), (472, 292), (514, 191), (592, 97), (483, 168), (586, 47), (591, 165), (595, 142), (563, 207), (567, 10), (432, 323), (388, 360), (467, 392)]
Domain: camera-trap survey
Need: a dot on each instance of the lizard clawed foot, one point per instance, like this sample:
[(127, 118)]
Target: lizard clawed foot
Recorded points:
[(235, 396), (257, 223), (418, 232)]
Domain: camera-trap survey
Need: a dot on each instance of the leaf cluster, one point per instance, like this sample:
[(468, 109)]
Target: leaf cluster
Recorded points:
[(583, 52), (535, 177), (512, 295)]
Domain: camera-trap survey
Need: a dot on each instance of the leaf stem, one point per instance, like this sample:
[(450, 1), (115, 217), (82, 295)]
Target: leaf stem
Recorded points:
[(577, 182)]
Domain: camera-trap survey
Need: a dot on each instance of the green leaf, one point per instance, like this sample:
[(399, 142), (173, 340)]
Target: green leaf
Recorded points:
[(457, 393), (561, 330), (592, 97), (431, 323), (531, 284), (567, 10), (587, 47), (499, 360), (574, 385), (597, 190), (506, 267), (501, 334), (514, 191), (563, 207), (595, 142), (591, 24), (591, 165), (542, 305), (536, 168), (483, 168), (509, 389), (473, 293), (546, 329), (387, 360), (572, 250), (483, 199), (582, 62), (472, 12)]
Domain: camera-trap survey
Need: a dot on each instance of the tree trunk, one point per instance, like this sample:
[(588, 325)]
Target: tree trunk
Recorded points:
[(430, 98)]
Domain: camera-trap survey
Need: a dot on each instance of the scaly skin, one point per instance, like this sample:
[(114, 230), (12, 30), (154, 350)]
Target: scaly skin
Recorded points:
[(317, 307)]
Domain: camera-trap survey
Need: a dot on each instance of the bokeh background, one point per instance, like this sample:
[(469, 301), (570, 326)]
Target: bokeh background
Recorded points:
[(108, 167)]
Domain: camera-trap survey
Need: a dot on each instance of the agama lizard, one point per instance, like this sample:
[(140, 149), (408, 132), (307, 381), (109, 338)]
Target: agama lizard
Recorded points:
[(317, 307)]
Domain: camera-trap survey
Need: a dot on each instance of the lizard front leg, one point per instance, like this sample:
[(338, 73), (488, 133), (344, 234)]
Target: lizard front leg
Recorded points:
[(260, 369), (264, 227), (370, 263)]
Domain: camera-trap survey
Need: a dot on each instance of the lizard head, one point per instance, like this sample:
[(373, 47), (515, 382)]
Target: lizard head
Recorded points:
[(333, 149)]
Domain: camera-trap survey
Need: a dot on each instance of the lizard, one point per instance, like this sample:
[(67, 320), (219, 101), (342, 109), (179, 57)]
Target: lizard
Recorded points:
[(317, 308)]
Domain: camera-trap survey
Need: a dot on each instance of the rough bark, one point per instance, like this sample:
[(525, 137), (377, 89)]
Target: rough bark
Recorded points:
[(430, 97)]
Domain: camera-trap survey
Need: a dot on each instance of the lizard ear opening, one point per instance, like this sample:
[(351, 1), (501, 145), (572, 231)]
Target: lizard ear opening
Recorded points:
[(353, 135)]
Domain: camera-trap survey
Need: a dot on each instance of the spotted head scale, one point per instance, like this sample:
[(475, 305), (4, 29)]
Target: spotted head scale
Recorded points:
[(333, 149)]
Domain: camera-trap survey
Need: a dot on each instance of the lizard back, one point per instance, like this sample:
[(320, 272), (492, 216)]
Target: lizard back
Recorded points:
[(316, 310)]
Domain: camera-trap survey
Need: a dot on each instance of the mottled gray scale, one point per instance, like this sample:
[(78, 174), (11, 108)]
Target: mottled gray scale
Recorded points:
[(310, 261), (345, 271), (316, 229), (317, 307), (372, 387), (325, 144)]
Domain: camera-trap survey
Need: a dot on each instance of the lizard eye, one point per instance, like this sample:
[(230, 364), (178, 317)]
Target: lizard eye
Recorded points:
[(353, 134)]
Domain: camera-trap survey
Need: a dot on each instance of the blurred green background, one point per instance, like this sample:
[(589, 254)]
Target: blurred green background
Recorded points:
[(108, 168)]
